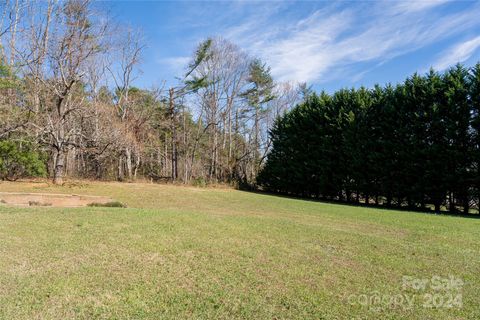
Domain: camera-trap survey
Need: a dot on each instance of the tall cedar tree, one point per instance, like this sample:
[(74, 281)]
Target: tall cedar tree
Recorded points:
[(414, 145)]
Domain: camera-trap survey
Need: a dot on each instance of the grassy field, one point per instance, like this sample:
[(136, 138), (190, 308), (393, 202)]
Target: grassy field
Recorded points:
[(182, 252)]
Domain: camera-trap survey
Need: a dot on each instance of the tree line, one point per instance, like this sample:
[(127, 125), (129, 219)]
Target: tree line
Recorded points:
[(414, 145), (69, 106)]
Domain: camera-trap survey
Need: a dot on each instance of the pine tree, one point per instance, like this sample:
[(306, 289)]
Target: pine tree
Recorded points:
[(457, 123), (257, 95), (474, 89), (416, 144)]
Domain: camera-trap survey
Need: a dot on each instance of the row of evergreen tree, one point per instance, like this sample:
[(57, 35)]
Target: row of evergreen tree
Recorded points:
[(414, 145)]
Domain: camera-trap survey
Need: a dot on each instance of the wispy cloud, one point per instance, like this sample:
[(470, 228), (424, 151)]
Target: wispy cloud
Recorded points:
[(174, 64), (460, 52), (318, 47), (414, 6)]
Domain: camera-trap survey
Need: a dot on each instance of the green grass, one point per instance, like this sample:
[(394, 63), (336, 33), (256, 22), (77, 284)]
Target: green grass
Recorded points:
[(197, 253)]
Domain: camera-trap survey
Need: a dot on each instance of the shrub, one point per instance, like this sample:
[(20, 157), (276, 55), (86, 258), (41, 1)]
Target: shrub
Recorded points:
[(19, 159), (199, 182), (38, 204), (245, 185), (112, 204)]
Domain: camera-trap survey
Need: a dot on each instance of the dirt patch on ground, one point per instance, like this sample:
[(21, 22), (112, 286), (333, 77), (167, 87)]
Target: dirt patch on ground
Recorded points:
[(50, 199)]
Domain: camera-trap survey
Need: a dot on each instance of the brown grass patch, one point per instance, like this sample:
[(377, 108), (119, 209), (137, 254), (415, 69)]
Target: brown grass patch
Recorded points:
[(53, 200)]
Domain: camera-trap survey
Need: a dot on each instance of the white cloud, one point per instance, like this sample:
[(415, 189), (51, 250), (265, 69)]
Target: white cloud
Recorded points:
[(175, 64), (460, 52), (320, 46), (415, 6)]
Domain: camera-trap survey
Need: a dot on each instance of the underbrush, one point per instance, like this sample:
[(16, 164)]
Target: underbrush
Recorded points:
[(111, 204)]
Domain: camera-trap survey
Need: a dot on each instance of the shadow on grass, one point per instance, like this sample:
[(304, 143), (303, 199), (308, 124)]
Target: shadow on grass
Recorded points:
[(365, 205)]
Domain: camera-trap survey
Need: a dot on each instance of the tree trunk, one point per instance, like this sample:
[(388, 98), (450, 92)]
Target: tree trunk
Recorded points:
[(451, 203), (185, 147), (128, 162), (4, 14), (347, 195), (138, 160), (174, 135), (213, 155), (256, 145), (423, 203), (14, 34), (466, 206), (120, 168), (165, 158), (229, 157), (59, 167)]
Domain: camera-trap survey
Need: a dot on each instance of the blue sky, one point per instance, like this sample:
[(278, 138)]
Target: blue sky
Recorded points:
[(327, 44)]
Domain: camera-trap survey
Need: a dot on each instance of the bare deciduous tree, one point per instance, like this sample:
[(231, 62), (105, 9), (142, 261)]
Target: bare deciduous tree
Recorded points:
[(76, 38)]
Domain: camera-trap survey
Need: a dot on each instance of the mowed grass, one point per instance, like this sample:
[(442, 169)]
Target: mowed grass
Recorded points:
[(182, 252)]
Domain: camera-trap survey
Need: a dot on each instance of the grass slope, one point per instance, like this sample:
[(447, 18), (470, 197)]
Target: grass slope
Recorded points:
[(180, 252)]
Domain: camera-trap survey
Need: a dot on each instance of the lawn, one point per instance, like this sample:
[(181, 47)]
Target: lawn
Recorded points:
[(182, 252)]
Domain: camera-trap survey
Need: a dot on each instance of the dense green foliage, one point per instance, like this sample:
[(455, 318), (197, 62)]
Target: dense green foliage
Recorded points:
[(19, 160), (416, 144)]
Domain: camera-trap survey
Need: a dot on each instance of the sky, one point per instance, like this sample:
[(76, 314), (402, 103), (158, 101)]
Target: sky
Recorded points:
[(327, 44)]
